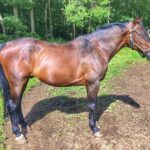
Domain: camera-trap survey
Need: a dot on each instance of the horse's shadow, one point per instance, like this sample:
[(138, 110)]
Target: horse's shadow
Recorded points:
[(72, 105)]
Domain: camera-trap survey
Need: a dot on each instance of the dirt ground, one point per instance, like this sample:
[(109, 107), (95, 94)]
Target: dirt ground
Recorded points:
[(61, 123)]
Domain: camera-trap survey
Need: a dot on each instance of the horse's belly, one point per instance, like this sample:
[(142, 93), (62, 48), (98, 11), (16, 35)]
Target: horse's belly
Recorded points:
[(60, 77)]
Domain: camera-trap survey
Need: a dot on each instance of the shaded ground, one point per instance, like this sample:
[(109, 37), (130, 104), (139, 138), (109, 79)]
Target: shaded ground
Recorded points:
[(60, 123)]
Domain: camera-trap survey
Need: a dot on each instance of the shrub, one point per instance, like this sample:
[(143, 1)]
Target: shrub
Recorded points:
[(14, 25)]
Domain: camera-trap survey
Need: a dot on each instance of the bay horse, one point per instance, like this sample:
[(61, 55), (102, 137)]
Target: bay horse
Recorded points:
[(83, 61)]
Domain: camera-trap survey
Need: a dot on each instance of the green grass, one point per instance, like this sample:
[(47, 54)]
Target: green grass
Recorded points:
[(32, 83), (2, 137), (125, 58), (120, 62)]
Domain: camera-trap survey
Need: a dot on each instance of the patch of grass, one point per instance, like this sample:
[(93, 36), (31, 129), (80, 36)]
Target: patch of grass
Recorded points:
[(125, 58), (80, 116), (2, 137), (32, 83)]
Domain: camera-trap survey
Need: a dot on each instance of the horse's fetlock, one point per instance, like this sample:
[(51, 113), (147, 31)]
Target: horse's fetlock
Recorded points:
[(92, 106)]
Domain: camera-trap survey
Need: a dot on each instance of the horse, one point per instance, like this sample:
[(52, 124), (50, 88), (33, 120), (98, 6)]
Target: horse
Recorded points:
[(80, 62)]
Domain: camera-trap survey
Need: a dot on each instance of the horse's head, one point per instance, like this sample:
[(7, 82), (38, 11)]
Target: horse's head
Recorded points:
[(138, 37)]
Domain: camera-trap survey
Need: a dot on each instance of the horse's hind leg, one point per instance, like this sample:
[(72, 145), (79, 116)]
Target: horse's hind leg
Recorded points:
[(14, 108), (92, 91), (22, 122)]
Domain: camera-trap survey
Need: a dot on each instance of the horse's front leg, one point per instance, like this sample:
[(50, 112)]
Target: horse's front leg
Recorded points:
[(92, 91)]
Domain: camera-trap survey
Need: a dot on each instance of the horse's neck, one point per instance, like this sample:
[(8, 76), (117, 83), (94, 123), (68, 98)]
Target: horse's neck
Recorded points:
[(111, 45)]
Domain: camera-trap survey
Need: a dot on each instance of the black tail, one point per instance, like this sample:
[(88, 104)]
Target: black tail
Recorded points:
[(4, 86)]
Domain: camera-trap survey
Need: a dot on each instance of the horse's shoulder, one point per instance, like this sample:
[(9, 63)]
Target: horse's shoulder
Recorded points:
[(84, 45)]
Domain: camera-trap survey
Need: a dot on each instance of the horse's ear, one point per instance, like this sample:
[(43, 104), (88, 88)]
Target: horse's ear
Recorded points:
[(138, 20)]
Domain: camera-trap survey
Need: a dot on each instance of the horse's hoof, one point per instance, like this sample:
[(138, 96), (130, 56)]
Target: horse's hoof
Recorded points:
[(97, 134), (21, 139)]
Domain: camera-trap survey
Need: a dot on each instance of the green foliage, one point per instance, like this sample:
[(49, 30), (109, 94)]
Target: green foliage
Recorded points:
[(56, 40), (87, 13), (22, 3), (11, 2), (32, 34), (5, 38), (69, 16), (14, 25), (76, 14), (99, 15)]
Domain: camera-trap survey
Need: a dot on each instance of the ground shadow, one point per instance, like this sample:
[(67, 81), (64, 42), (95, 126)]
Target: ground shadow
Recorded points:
[(72, 105)]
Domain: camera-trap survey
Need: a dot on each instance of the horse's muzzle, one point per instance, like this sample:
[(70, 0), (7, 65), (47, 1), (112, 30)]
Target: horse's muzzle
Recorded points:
[(148, 56)]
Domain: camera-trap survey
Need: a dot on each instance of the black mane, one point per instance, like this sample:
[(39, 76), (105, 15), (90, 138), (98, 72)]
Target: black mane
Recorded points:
[(103, 31), (111, 25)]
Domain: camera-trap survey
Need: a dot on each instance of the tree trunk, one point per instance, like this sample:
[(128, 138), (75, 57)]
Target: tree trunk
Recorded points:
[(50, 19), (15, 11), (108, 17), (90, 18), (46, 34), (2, 24), (32, 20), (74, 30)]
